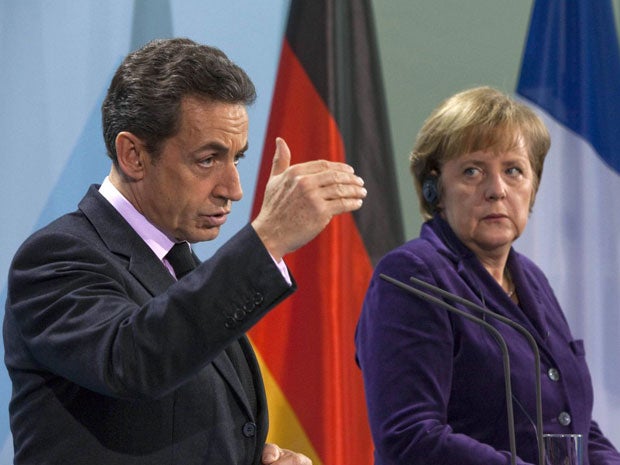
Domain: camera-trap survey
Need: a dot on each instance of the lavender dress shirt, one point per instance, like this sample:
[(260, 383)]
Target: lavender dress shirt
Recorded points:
[(434, 380), (157, 241)]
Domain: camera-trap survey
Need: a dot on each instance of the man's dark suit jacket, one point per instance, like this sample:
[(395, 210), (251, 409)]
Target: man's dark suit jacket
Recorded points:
[(113, 362)]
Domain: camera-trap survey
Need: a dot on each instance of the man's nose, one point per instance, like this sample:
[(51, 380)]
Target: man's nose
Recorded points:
[(229, 184)]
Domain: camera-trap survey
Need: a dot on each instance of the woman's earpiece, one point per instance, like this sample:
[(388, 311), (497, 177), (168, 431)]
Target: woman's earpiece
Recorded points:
[(429, 190)]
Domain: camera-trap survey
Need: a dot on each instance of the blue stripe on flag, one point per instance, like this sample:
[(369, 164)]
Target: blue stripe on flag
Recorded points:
[(571, 69)]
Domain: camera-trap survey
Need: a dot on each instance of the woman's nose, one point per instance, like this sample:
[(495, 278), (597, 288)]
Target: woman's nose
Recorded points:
[(496, 187)]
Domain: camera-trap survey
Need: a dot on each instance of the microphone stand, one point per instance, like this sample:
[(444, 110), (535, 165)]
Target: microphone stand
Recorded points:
[(528, 336), (496, 335)]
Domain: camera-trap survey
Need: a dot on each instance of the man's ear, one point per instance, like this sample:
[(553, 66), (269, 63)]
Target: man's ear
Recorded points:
[(131, 155)]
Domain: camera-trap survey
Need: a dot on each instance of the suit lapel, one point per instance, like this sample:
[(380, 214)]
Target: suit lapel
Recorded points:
[(149, 270), (253, 365), (121, 239), (225, 367)]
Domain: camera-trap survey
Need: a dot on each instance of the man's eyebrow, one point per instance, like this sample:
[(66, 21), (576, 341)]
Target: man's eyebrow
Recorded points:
[(219, 147), (244, 149)]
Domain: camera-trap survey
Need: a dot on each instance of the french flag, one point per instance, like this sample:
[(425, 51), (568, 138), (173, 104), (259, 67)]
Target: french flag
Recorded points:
[(571, 75)]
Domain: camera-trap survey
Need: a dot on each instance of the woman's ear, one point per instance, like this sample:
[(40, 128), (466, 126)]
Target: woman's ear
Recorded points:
[(130, 154)]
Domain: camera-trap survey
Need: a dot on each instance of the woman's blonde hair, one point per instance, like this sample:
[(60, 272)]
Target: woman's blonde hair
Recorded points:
[(476, 119)]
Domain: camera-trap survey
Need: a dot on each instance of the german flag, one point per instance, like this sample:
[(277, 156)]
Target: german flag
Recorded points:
[(328, 103)]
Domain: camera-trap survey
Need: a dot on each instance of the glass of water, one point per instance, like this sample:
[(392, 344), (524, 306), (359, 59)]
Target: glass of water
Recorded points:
[(563, 449)]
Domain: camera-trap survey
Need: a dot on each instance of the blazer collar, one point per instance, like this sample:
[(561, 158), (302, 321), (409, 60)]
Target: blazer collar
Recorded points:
[(120, 238), (470, 269), (227, 370)]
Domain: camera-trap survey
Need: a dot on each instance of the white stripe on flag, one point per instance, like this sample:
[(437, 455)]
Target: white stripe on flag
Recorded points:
[(574, 236)]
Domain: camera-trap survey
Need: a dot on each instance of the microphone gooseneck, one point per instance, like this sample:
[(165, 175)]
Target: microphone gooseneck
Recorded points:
[(496, 335), (524, 332)]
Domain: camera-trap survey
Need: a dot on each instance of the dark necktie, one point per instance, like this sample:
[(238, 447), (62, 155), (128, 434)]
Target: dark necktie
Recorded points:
[(181, 259)]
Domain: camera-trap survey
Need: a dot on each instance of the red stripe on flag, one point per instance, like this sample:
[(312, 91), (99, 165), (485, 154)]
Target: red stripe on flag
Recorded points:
[(307, 342)]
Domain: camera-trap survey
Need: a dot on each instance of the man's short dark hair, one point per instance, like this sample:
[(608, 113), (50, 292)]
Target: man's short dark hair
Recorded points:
[(147, 90)]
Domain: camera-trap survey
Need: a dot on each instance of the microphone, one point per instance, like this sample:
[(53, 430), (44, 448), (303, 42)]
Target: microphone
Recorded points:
[(524, 332), (501, 342), (496, 335)]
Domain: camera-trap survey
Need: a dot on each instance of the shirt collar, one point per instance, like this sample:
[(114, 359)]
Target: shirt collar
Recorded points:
[(158, 242)]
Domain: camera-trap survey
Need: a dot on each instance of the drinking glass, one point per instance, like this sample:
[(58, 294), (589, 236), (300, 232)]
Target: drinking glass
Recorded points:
[(563, 449)]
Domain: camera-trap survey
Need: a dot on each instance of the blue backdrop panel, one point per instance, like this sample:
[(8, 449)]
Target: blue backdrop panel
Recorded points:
[(57, 60)]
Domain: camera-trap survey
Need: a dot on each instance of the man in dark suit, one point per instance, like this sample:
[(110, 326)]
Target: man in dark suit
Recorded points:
[(122, 349)]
